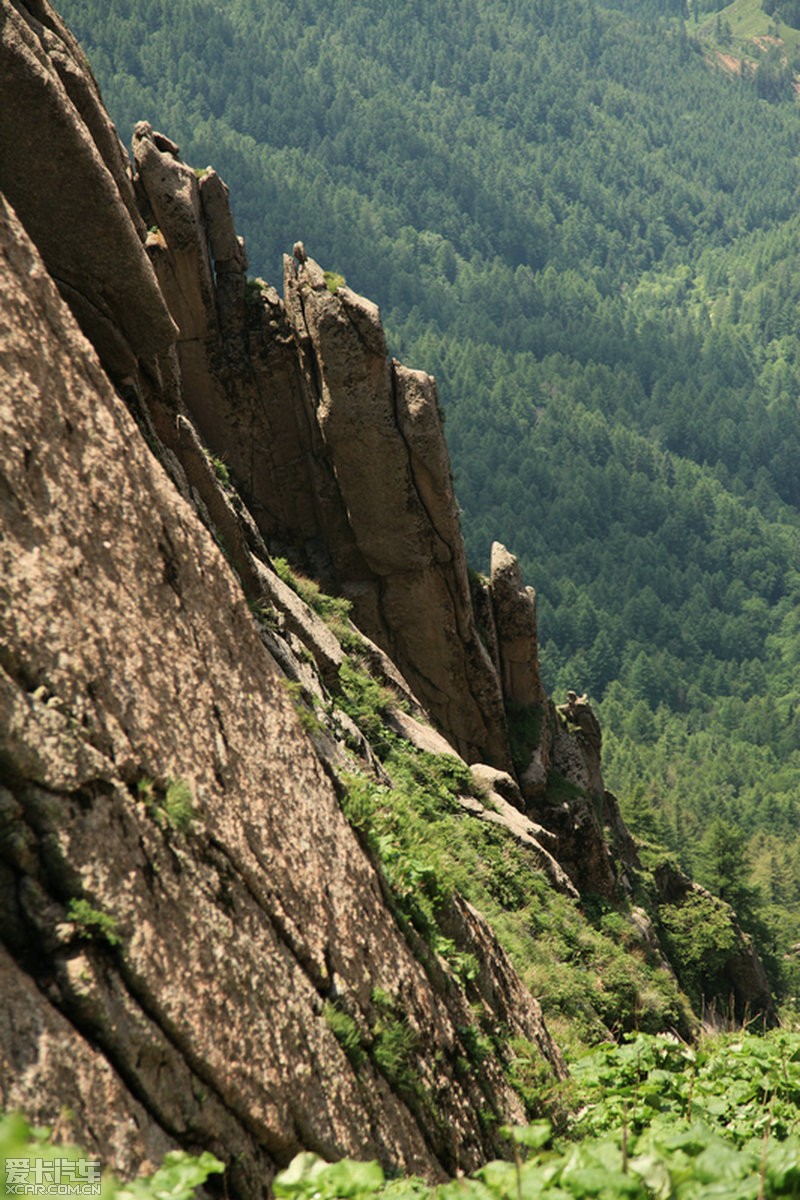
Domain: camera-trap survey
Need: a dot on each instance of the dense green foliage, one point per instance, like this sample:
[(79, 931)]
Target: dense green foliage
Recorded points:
[(582, 220), (657, 1120)]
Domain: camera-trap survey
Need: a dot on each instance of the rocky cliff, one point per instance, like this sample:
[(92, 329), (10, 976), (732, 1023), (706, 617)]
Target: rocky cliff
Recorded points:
[(198, 947), (182, 969)]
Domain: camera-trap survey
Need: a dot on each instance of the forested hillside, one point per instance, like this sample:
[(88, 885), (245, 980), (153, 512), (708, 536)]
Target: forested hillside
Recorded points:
[(585, 227)]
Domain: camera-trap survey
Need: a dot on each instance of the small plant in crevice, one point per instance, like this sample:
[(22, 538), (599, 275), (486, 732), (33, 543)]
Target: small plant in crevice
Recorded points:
[(346, 1032), (92, 924), (303, 706), (477, 1045), (265, 614), (171, 806), (333, 281), (221, 469), (394, 1045)]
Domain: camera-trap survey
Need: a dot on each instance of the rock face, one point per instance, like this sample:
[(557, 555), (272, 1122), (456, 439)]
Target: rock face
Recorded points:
[(338, 451), (199, 979), (514, 609), (94, 251), (405, 569)]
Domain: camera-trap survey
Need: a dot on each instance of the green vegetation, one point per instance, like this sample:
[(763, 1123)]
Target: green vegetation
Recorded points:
[(657, 1120), (394, 1045), (698, 938), (221, 469), (334, 610), (591, 976), (304, 705), (265, 613), (333, 281), (178, 1177), (170, 805), (92, 924), (346, 1032), (590, 970)]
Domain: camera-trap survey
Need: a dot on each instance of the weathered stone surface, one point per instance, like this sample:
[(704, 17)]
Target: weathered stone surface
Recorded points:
[(179, 254), (577, 745), (302, 621), (533, 780), (128, 653), (540, 842), (61, 168), (404, 567), (576, 820), (42, 1055), (515, 622), (492, 780), (423, 736)]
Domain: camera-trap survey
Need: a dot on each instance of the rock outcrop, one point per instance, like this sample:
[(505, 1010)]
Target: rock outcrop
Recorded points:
[(338, 451), (729, 976), (514, 609), (191, 981), (67, 144), (340, 456)]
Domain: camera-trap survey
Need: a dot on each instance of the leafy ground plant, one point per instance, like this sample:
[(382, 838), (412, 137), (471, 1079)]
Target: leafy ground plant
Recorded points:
[(660, 1121), (178, 1177)]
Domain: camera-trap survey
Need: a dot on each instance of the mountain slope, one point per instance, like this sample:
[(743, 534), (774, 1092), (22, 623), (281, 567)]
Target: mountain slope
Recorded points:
[(585, 228), (236, 861)]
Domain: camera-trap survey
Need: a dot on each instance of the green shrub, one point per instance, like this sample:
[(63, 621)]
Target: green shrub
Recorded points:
[(394, 1045), (265, 614), (310, 592), (346, 1032), (306, 713), (178, 806), (699, 936), (92, 924), (333, 281), (358, 797), (220, 468), (366, 702), (171, 806)]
